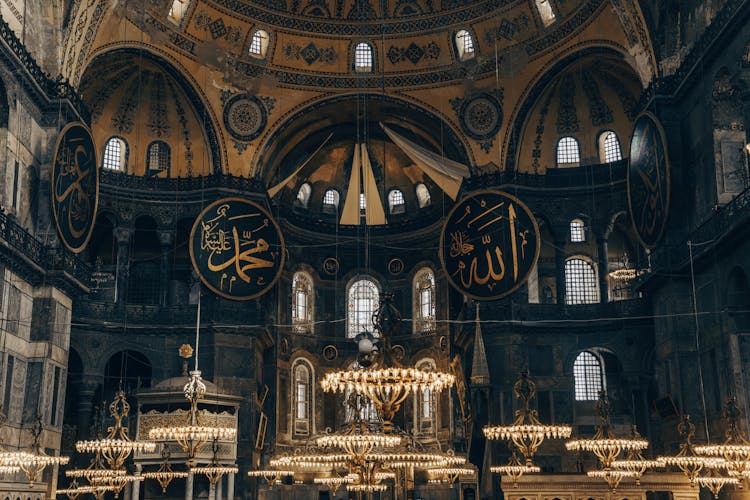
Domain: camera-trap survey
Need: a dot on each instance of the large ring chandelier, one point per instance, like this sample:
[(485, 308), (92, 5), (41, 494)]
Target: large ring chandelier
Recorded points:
[(527, 432)]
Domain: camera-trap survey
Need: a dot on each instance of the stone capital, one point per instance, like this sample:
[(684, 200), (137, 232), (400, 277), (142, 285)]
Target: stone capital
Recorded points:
[(122, 235)]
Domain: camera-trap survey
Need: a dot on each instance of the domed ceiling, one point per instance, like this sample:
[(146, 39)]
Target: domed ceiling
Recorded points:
[(594, 94), (139, 101)]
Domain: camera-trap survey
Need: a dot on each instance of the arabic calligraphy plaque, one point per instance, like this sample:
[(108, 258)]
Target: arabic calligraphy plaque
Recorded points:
[(648, 180), (237, 249), (75, 186), (489, 244)]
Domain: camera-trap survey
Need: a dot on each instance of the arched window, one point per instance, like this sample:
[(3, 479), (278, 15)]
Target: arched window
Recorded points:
[(425, 402), (580, 282), (423, 195), (577, 231), (568, 152), (363, 57), (363, 301), (544, 7), (331, 201), (588, 373), (396, 203), (178, 10), (302, 303), (158, 158), (259, 44), (303, 195), (464, 45), (424, 301), (302, 398), (115, 152), (609, 147)]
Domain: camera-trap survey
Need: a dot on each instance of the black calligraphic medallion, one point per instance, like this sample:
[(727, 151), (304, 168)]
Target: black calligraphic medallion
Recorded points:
[(237, 249), (489, 244), (648, 180), (75, 186)]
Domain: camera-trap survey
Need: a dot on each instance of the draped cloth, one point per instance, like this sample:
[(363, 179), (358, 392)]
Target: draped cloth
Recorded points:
[(350, 213), (278, 187), (446, 173), (374, 211)]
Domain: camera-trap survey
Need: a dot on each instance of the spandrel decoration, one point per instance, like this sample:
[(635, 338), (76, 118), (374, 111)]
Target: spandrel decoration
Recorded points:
[(237, 248), (489, 244), (75, 186), (648, 180)]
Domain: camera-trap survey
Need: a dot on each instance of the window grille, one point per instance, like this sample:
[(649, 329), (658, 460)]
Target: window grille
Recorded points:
[(580, 282), (588, 376)]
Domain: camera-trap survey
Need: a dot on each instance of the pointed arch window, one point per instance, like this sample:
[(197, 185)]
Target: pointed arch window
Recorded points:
[(424, 301), (396, 202), (425, 402), (302, 303), (588, 375), (465, 45), (115, 152), (580, 282), (546, 12), (609, 147), (363, 297), (303, 195), (259, 44), (423, 195), (363, 61), (302, 398), (568, 152), (158, 158)]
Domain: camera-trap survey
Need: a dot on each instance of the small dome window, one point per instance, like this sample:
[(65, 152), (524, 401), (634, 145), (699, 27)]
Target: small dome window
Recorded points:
[(331, 201), (568, 152), (158, 158), (609, 147), (423, 195), (303, 195), (259, 44), (178, 10), (396, 202), (363, 58), (544, 7), (114, 154), (464, 45)]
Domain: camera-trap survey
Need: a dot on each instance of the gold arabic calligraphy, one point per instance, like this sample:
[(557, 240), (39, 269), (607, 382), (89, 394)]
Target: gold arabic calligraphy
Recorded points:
[(72, 174)]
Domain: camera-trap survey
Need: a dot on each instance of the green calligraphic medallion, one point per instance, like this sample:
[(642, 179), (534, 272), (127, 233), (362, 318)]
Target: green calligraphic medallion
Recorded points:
[(75, 186), (648, 180), (489, 244), (237, 248)]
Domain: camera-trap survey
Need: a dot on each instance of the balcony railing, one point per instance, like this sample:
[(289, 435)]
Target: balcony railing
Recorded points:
[(49, 259)]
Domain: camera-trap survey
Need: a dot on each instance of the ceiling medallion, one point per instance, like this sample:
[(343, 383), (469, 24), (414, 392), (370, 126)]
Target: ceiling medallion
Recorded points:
[(245, 117), (481, 116)]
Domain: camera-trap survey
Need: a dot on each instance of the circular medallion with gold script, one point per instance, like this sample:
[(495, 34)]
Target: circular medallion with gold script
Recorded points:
[(489, 244), (648, 180), (75, 186), (237, 248)]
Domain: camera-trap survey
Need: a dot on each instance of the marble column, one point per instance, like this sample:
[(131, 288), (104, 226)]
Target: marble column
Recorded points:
[(135, 492), (86, 393), (122, 236), (230, 487), (603, 269), (560, 270), (166, 240)]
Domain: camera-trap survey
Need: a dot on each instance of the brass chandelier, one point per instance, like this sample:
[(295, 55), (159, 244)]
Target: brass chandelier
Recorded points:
[(515, 469), (164, 474), (527, 433)]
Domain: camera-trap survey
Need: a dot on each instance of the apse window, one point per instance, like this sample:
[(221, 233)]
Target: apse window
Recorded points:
[(396, 202), (577, 231), (424, 301), (302, 303), (465, 45), (425, 402), (568, 152), (178, 10), (259, 44), (114, 154), (303, 195), (588, 376), (158, 158), (302, 395), (363, 302), (331, 201), (609, 147), (363, 58), (580, 282), (423, 195), (544, 7)]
